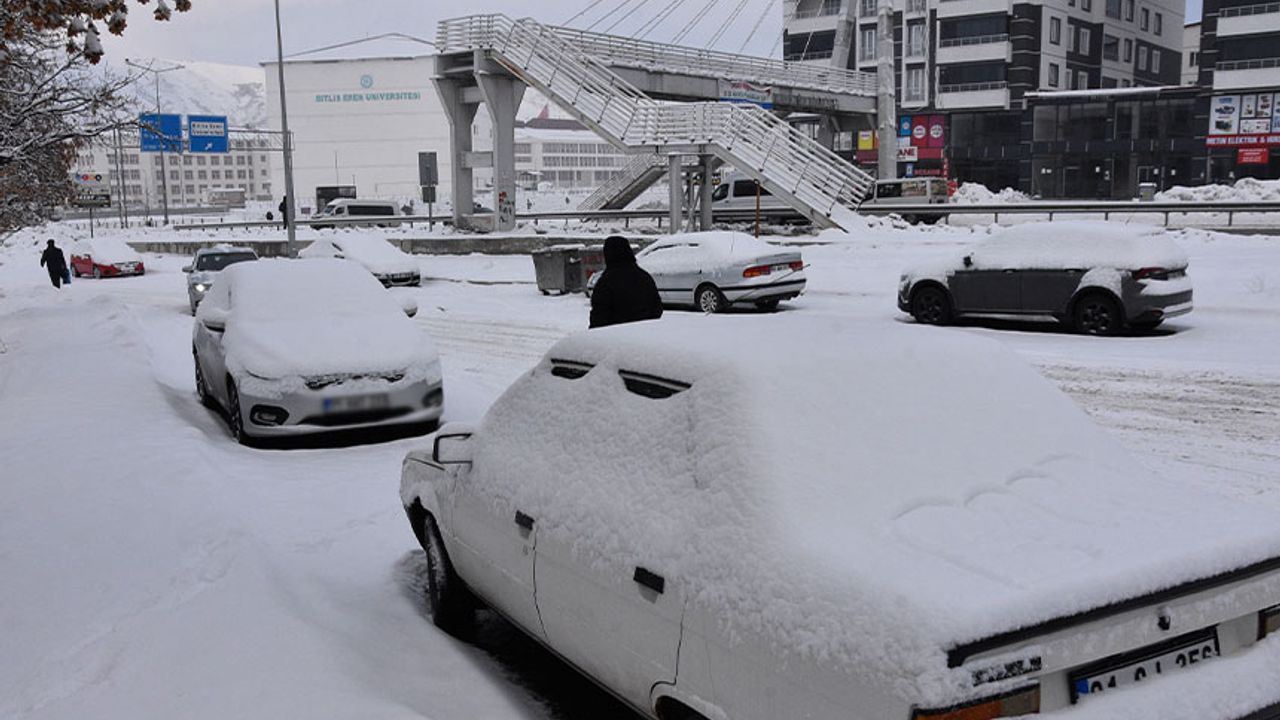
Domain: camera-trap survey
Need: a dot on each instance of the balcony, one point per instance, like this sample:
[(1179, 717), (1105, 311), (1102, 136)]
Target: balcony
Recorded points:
[(973, 95), (1249, 19), (1246, 74), (975, 48), (824, 9), (955, 8)]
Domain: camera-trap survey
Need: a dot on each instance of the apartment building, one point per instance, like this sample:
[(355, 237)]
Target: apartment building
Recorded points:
[(967, 66), (1239, 71)]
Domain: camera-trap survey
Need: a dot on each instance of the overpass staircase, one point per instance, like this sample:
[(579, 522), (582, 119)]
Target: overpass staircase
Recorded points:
[(789, 164)]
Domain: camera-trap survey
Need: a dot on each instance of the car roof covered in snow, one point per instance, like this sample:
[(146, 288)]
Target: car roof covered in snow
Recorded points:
[(722, 244)]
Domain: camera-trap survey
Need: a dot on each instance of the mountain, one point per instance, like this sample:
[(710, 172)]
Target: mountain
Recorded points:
[(205, 88)]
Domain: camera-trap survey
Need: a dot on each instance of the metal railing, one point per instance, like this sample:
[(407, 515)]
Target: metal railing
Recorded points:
[(973, 87), (973, 40), (635, 169), (826, 9), (1245, 10), (1258, 64), (788, 163)]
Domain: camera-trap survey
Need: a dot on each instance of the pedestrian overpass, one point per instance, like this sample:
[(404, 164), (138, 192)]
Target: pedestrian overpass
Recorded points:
[(491, 59)]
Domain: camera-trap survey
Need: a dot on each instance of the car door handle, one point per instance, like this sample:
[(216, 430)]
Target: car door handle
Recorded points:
[(524, 521), (649, 579)]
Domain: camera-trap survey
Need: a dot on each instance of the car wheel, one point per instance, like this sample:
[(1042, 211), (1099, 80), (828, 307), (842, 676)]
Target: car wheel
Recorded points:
[(1097, 314), (931, 306), (74, 271), (235, 418), (97, 273), (452, 609), (1145, 327), (709, 299), (767, 305), (202, 390)]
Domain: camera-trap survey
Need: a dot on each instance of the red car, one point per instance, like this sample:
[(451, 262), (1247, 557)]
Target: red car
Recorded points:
[(105, 257)]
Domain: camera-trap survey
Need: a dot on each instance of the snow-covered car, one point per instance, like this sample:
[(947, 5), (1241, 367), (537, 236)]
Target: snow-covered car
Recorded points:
[(391, 265), (887, 525), (713, 270), (293, 346), (1098, 277), (105, 257), (206, 265)]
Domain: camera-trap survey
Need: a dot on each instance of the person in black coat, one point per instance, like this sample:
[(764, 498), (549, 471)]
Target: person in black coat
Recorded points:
[(55, 262), (625, 292), (284, 211)]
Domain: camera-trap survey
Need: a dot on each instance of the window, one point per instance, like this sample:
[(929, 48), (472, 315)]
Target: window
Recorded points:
[(915, 83), (216, 175), (1155, 60), (173, 174), (1055, 31), (1159, 23), (1193, 59), (1072, 38), (1109, 82), (867, 8), (1145, 23), (867, 44), (1086, 5), (801, 46), (1110, 47), (1113, 9), (1082, 80), (1053, 75), (1142, 59), (1072, 3), (915, 39), (200, 160), (1128, 10), (1084, 41), (186, 160), (1071, 80), (202, 175), (1128, 50)]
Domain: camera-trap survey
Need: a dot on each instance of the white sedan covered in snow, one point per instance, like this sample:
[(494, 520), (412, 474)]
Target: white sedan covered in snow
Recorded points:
[(392, 266), (714, 270), (886, 526), (290, 346)]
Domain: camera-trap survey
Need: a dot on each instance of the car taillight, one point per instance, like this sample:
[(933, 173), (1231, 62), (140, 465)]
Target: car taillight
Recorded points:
[(1022, 701), (1151, 273), (756, 271), (797, 265), (1269, 621)]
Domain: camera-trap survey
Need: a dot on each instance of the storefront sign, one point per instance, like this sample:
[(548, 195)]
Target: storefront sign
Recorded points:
[(866, 140), (909, 153), (1244, 140), (1243, 119), (741, 91), (1253, 156)]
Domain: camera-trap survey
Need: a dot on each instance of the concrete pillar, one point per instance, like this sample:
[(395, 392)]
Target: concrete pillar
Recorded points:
[(886, 94), (502, 95), (676, 193), (704, 192), (461, 114)]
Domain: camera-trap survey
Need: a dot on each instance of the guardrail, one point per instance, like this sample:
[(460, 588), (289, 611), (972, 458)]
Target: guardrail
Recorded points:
[(1246, 10)]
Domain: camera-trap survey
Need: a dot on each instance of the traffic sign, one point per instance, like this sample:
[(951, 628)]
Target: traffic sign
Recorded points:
[(160, 132), (207, 133)]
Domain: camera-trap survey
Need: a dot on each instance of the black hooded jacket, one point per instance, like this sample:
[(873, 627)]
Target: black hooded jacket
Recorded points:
[(625, 292), (53, 259)]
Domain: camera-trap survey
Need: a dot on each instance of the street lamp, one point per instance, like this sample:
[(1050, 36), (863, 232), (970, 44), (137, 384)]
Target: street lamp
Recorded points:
[(164, 173), (289, 198)]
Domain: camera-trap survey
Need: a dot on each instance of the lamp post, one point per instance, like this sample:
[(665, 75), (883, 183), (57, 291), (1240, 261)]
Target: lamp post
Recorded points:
[(289, 198), (164, 173)]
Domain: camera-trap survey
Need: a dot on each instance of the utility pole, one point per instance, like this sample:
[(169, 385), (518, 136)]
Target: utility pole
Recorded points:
[(124, 213), (289, 198), (164, 173), (886, 95)]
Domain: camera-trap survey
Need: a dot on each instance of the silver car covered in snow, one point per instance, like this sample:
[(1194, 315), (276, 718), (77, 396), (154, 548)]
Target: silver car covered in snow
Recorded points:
[(207, 264), (298, 346)]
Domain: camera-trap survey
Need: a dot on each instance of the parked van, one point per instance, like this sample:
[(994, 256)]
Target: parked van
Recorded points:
[(357, 208), (910, 191), (738, 192)]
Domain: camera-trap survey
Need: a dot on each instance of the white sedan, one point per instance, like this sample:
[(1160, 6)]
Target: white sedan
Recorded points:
[(714, 270), (886, 526), (392, 266), (291, 346)]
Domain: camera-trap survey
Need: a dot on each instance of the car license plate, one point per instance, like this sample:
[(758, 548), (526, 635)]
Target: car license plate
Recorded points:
[(780, 267), (1176, 654), (356, 403)]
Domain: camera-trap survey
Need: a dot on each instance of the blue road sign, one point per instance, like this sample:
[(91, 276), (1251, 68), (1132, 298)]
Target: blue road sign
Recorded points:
[(207, 133), (161, 132)]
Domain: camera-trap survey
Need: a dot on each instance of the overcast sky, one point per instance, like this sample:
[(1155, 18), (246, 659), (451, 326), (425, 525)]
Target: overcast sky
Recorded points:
[(242, 32)]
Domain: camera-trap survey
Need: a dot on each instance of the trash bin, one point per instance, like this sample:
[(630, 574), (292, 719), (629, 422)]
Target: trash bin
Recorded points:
[(558, 269), (1146, 191)]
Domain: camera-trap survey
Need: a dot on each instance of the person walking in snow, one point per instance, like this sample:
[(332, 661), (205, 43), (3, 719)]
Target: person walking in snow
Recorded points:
[(55, 262), (625, 292), (284, 214)]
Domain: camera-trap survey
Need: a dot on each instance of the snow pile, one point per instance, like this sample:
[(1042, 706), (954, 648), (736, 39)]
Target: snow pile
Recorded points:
[(291, 319), (866, 504), (374, 253), (1244, 190), (105, 251), (978, 194)]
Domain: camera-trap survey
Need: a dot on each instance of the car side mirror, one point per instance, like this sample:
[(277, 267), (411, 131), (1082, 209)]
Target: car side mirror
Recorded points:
[(968, 261), (186, 268), (452, 445), (215, 319)]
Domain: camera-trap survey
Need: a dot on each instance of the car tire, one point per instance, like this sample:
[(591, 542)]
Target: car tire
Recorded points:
[(202, 390), (74, 271), (235, 416), (768, 305), (1145, 327), (1097, 314), (930, 305), (709, 299), (452, 607), (97, 273)]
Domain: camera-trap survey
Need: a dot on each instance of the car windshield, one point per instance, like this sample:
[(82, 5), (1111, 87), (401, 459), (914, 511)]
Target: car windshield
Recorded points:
[(213, 262)]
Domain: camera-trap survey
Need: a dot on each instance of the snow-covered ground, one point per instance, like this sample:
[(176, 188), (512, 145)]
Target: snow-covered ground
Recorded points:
[(155, 569)]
